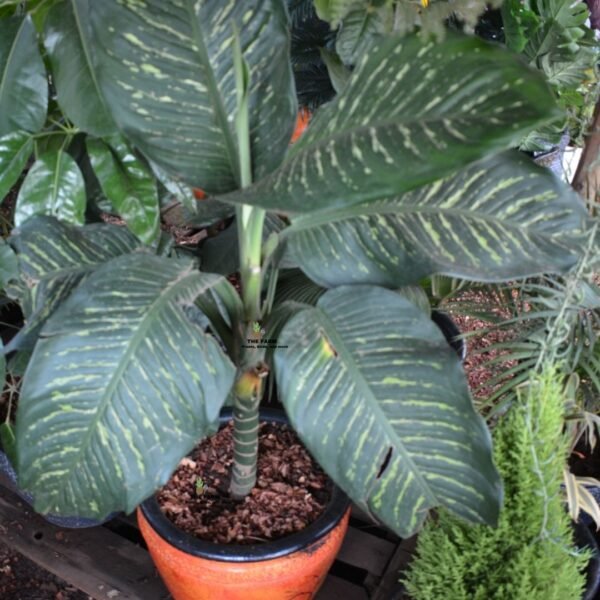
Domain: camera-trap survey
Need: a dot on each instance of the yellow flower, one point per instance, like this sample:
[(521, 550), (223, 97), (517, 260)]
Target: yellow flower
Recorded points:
[(425, 3)]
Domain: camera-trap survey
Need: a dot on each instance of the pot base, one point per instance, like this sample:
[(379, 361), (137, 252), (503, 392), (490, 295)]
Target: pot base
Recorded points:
[(297, 575)]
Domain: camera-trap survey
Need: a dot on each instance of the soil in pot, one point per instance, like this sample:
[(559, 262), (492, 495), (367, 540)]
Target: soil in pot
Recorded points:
[(291, 491)]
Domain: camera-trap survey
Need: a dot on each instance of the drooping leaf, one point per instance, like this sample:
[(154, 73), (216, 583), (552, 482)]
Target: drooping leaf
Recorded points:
[(124, 385), (9, 268), (54, 186), (68, 43), (167, 74), (23, 85), (15, 150), (381, 401), (54, 258), (128, 184), (412, 112), (497, 219)]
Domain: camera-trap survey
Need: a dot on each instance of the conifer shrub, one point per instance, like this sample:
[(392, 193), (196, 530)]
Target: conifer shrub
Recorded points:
[(531, 554)]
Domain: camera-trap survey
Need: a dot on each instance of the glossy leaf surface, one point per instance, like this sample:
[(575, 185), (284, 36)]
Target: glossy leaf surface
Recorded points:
[(381, 401), (124, 385)]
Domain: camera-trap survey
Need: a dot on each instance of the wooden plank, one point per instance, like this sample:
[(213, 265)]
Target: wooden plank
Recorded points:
[(389, 586), (366, 551), (335, 588), (97, 561)]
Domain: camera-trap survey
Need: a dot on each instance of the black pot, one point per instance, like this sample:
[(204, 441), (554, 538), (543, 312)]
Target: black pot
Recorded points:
[(69, 522), (335, 510), (585, 539), (451, 332)]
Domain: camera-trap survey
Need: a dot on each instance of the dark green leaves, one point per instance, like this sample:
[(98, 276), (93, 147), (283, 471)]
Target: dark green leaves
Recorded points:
[(15, 150), (128, 184), (9, 269), (124, 385), (23, 85), (166, 71), (54, 258), (382, 402), (67, 40), (497, 219), (54, 186), (411, 113)]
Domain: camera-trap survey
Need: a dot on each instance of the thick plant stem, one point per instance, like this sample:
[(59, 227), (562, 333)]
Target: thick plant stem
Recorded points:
[(248, 393), (248, 387)]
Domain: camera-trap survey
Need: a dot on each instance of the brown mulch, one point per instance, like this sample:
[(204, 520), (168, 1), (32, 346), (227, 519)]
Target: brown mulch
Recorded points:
[(22, 579), (291, 490)]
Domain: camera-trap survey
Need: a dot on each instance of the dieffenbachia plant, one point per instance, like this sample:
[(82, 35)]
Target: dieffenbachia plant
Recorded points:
[(406, 173)]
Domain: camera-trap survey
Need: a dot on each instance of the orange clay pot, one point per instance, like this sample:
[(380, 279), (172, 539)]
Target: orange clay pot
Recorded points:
[(291, 568)]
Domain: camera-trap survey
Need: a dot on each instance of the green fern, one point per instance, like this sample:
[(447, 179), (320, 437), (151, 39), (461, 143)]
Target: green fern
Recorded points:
[(530, 555)]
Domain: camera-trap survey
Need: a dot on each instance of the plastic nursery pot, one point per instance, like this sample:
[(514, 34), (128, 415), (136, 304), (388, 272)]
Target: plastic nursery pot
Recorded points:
[(69, 522), (585, 539), (451, 332), (290, 567)]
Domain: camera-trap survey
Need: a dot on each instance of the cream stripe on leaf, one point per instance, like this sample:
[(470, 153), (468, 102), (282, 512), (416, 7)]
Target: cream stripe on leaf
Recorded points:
[(382, 402), (499, 218), (166, 72), (384, 135), (121, 386), (54, 258)]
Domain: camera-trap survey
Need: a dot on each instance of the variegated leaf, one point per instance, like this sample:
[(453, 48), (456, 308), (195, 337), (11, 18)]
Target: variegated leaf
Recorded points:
[(54, 257), (167, 73), (500, 218), (411, 113), (67, 38), (9, 269), (120, 387), (53, 186), (381, 401), (23, 84)]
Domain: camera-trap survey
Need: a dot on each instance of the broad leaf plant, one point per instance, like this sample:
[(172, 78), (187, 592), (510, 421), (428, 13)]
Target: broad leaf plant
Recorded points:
[(134, 350)]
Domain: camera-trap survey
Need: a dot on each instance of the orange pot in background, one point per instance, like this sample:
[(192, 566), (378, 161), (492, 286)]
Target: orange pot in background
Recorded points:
[(293, 567)]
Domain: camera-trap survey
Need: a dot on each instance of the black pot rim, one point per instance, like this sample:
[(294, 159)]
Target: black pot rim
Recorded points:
[(331, 516)]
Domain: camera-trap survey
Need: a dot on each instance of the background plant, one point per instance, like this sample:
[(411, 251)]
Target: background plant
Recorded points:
[(405, 174), (537, 557)]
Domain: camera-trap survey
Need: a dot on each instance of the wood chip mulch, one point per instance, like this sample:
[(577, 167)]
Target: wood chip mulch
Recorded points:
[(291, 490)]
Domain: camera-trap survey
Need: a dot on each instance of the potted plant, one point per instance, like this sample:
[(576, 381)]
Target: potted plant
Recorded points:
[(403, 175), (537, 559)]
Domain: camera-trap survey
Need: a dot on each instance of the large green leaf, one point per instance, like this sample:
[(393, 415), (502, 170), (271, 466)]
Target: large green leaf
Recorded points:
[(54, 186), (121, 386), (381, 401), (412, 112), (15, 150), (128, 184), (23, 85), (67, 40), (499, 218), (54, 258), (167, 72)]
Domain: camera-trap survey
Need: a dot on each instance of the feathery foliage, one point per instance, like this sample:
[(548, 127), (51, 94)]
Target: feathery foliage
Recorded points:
[(530, 555)]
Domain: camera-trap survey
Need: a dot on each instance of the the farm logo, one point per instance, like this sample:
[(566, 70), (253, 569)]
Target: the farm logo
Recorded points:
[(256, 340)]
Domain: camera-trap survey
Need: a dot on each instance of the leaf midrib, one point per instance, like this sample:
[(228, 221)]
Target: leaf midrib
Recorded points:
[(355, 373), (88, 59), (214, 94), (314, 221), (132, 345)]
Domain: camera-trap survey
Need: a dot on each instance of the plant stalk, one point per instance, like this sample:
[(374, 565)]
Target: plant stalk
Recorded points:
[(249, 384)]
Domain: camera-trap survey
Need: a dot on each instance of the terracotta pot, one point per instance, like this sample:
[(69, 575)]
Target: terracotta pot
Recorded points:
[(293, 567)]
